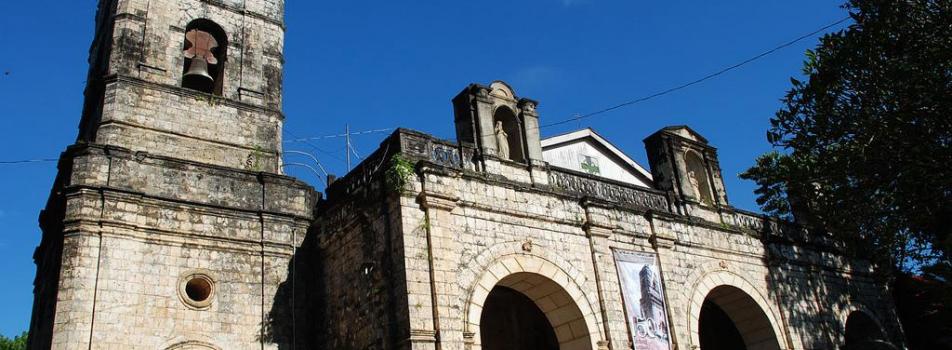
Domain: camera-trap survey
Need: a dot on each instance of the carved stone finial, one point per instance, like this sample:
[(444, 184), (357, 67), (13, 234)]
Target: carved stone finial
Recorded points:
[(529, 107)]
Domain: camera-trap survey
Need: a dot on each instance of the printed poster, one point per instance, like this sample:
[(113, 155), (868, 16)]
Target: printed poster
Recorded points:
[(643, 297)]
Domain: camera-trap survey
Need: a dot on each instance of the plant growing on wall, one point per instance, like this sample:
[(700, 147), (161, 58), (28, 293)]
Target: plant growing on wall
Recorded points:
[(398, 173), (254, 159)]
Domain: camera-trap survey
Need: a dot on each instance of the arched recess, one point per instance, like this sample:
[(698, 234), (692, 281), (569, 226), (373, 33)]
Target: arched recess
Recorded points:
[(212, 81), (191, 345), (551, 289), (741, 302), (862, 331), (698, 177), (512, 149)]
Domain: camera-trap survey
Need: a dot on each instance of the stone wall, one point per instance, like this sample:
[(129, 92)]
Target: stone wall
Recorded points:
[(360, 300), (136, 225), (466, 231)]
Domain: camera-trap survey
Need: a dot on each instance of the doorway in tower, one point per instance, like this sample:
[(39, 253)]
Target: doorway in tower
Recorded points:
[(731, 320)]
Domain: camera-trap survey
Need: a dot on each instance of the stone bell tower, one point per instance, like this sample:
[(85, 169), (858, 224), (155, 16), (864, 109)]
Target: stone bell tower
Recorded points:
[(193, 79), (686, 166), (170, 224)]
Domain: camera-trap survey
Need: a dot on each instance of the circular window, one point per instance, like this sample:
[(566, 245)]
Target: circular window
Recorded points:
[(197, 290)]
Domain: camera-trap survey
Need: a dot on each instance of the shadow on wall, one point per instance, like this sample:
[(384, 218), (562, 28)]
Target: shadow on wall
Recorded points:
[(340, 291), (815, 304), (290, 322)]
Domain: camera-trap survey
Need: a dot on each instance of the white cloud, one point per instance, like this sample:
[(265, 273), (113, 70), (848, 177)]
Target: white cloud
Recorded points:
[(572, 2), (536, 76)]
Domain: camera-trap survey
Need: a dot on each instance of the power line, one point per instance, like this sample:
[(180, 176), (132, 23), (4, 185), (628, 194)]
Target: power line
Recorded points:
[(700, 80), (362, 132), (25, 161), (313, 146), (578, 117), (307, 140)]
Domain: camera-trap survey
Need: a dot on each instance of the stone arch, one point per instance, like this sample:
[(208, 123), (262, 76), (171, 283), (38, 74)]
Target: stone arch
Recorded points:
[(755, 316), (191, 345), (551, 288), (499, 88), (862, 330)]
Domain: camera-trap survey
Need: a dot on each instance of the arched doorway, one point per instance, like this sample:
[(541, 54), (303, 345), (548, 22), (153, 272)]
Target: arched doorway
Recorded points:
[(731, 320), (862, 332), (530, 311), (511, 320)]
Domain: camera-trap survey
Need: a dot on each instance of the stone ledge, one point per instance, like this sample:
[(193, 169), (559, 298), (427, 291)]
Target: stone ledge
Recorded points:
[(246, 191)]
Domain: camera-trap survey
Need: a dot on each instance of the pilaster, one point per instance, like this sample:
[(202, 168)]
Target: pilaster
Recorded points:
[(438, 199), (599, 228), (663, 239)]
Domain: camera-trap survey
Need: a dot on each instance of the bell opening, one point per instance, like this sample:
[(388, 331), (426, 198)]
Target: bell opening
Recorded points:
[(204, 48)]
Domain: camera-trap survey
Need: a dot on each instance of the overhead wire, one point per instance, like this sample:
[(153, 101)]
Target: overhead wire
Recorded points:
[(354, 133), (313, 146), (578, 117), (306, 140), (25, 161)]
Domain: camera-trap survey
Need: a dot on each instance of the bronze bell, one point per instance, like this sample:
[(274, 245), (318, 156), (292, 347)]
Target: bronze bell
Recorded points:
[(199, 69), (200, 46)]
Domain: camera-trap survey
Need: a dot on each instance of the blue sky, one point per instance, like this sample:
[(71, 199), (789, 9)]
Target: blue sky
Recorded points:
[(383, 64)]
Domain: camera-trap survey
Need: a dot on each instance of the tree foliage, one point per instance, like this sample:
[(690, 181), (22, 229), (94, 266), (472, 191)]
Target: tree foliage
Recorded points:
[(18, 343), (865, 139)]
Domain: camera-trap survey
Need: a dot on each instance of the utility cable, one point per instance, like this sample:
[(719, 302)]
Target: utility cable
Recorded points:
[(702, 79), (312, 145), (10, 162), (362, 132)]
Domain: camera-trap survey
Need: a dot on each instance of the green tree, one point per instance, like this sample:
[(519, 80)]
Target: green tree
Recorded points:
[(18, 343), (865, 140)]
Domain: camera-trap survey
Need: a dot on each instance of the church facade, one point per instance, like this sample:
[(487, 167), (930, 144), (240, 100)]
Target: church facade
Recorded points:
[(171, 224)]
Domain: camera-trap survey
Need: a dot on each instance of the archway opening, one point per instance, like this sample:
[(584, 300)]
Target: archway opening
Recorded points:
[(731, 320), (529, 311), (511, 320), (862, 332), (206, 50)]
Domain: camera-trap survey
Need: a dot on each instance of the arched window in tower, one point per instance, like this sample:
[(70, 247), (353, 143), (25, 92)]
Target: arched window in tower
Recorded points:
[(698, 179), (205, 50), (508, 135)]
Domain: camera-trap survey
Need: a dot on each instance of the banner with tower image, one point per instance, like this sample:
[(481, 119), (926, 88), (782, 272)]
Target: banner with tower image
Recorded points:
[(643, 296)]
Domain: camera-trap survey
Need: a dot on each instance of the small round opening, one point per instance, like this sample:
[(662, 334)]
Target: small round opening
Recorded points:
[(198, 289)]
